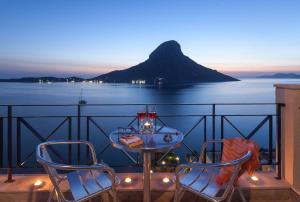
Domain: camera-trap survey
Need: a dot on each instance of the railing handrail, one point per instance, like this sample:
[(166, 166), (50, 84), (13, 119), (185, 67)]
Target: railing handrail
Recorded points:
[(130, 116), (133, 104)]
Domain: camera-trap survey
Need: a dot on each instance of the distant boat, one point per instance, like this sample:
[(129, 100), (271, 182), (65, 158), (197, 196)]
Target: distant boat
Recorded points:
[(81, 101), (159, 81)]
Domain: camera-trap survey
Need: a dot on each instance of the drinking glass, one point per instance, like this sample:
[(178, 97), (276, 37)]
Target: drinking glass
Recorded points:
[(152, 115), (141, 115)]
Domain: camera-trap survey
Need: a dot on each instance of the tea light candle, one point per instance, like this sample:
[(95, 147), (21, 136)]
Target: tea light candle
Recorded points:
[(38, 183), (254, 178), (147, 125), (166, 180), (127, 180)]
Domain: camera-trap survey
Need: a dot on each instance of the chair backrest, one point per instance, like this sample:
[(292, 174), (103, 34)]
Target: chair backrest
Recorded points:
[(236, 173), (232, 162), (234, 148), (47, 158), (44, 158)]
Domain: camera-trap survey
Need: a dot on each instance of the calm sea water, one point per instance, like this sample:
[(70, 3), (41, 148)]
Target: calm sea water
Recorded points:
[(250, 90), (246, 91)]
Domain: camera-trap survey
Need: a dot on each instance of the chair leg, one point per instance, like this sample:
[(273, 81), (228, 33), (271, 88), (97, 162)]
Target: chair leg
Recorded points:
[(175, 197), (52, 194), (241, 195), (113, 194), (230, 195), (178, 195)]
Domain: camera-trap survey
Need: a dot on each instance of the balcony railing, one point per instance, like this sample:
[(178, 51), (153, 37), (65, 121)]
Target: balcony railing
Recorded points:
[(22, 127)]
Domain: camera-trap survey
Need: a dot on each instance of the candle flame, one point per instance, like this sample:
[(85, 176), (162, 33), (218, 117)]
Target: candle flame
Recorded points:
[(166, 180), (128, 180), (38, 183), (254, 178)]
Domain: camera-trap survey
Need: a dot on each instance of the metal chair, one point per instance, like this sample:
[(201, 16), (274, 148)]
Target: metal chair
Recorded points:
[(83, 182), (200, 178)]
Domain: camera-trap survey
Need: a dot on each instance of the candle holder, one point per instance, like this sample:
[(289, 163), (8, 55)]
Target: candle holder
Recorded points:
[(147, 122)]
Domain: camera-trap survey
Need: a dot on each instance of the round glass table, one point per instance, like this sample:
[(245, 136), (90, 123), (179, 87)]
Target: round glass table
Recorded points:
[(162, 140)]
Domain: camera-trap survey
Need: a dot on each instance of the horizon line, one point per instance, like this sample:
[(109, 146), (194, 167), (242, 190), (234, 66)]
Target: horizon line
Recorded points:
[(237, 74)]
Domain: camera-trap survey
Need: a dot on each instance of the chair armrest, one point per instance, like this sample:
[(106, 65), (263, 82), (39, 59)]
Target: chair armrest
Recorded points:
[(99, 167), (234, 163), (203, 165), (80, 167)]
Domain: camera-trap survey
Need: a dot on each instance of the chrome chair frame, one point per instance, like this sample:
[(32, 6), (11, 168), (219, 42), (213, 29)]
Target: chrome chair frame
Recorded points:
[(51, 168), (230, 186)]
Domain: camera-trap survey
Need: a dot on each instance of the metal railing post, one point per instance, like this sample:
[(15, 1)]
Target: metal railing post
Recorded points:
[(19, 163), (222, 127), (270, 139), (78, 131), (205, 137), (213, 131), (9, 144), (1, 142), (278, 126), (87, 136), (222, 133), (70, 138)]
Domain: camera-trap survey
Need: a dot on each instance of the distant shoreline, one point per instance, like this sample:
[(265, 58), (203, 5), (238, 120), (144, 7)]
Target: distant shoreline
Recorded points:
[(49, 80), (281, 76)]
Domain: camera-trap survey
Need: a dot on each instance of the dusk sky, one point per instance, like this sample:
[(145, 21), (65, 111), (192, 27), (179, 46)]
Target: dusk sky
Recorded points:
[(87, 38)]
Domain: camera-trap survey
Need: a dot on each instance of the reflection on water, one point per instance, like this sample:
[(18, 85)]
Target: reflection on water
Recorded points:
[(255, 90)]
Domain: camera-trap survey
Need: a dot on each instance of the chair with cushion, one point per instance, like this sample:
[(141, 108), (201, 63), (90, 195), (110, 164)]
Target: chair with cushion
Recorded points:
[(216, 181), (76, 182)]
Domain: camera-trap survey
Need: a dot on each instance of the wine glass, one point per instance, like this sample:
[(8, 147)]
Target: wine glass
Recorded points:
[(141, 115), (152, 115)]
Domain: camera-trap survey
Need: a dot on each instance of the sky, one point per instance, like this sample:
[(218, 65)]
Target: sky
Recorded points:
[(91, 37)]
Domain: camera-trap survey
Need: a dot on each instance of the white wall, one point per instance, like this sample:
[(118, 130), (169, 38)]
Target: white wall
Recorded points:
[(290, 96)]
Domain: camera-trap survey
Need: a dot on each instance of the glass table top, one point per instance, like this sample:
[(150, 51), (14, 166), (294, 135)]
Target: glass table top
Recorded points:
[(164, 138)]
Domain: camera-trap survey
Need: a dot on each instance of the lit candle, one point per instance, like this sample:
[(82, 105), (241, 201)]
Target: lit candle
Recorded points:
[(38, 183), (254, 178), (147, 125), (166, 180), (128, 180)]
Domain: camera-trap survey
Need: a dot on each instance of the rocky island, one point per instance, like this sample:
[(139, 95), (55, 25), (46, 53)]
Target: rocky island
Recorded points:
[(166, 64)]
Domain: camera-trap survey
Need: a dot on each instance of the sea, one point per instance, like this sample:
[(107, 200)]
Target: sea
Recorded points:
[(242, 105)]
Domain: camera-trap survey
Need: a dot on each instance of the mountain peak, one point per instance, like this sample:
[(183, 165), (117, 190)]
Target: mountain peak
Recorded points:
[(168, 49), (168, 63)]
